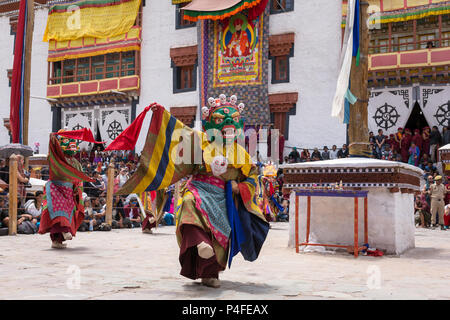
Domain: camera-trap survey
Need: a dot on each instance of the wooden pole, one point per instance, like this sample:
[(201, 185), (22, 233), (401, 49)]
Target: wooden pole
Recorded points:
[(296, 224), (358, 129), (12, 195), (109, 193), (366, 223), (356, 249), (27, 69), (308, 218)]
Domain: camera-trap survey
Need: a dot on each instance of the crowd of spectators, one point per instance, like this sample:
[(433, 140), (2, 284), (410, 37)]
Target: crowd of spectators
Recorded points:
[(432, 204), (326, 154), (420, 149), (126, 210)]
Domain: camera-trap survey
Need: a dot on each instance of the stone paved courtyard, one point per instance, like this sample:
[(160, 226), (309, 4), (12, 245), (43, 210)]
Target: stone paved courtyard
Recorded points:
[(127, 264)]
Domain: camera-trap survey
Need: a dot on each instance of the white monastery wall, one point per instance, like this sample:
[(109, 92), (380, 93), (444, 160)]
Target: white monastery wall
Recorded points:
[(40, 124), (313, 71), (159, 35)]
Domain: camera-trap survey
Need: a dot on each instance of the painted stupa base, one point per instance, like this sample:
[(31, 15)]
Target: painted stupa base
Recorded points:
[(391, 186)]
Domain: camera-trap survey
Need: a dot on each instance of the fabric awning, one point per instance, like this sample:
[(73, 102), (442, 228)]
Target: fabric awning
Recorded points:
[(208, 5), (216, 9), (91, 18), (396, 12)]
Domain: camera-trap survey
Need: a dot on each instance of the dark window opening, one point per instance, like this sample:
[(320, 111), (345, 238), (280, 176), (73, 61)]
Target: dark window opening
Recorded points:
[(180, 22), (280, 6), (184, 78)]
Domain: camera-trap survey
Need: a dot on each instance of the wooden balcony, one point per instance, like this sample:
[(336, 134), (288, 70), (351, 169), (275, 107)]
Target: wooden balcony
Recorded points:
[(91, 87), (410, 59)]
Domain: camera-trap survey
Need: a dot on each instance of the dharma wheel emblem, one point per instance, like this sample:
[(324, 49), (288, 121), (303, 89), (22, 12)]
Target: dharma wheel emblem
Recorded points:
[(386, 116), (443, 114), (114, 129)]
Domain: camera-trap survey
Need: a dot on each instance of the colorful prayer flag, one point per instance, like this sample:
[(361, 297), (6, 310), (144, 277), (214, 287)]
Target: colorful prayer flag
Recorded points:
[(128, 137), (16, 116), (157, 167)]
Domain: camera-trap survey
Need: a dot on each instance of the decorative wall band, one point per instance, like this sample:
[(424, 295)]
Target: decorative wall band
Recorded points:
[(353, 177)]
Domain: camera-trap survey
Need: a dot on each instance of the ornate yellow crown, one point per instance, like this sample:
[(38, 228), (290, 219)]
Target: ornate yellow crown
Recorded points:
[(269, 170)]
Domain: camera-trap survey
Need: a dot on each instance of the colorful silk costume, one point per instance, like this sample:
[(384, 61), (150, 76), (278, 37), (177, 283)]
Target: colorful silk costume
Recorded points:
[(268, 185), (63, 209), (210, 211)]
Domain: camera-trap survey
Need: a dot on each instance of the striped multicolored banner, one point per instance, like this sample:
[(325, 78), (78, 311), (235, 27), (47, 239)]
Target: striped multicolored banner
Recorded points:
[(157, 169)]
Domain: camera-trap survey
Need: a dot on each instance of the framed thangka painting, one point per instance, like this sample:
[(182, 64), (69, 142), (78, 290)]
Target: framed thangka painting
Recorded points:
[(238, 51)]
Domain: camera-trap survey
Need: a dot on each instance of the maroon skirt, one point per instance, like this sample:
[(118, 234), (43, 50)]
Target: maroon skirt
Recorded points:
[(192, 265)]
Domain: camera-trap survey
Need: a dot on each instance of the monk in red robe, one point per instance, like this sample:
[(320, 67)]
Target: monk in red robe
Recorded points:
[(405, 144), (426, 140), (239, 44), (417, 139), (393, 142)]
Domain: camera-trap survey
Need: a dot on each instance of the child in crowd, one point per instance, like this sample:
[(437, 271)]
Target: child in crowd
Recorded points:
[(283, 215), (447, 217), (89, 222)]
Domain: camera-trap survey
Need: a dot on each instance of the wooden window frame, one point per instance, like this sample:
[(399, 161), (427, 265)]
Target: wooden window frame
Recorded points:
[(276, 65), (277, 61), (409, 44), (183, 58), (179, 84), (181, 23), (424, 42), (288, 6)]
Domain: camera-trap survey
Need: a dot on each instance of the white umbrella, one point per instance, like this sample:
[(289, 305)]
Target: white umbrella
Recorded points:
[(7, 150)]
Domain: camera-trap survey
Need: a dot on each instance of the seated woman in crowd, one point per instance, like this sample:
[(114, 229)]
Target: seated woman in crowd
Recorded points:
[(33, 207), (89, 222), (305, 155), (117, 211), (131, 217)]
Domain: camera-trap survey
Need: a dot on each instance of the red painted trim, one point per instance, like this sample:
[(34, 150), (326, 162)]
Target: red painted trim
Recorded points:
[(440, 56), (69, 89), (384, 61), (413, 58), (88, 87), (128, 82), (53, 91), (108, 85)]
